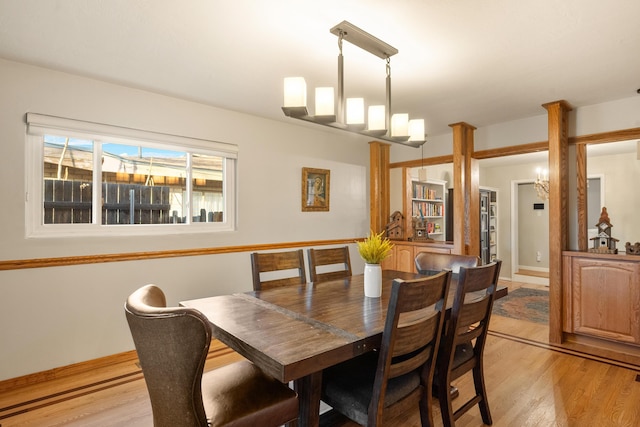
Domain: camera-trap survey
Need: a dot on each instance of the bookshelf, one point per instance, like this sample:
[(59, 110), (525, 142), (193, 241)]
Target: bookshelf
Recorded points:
[(427, 207), (488, 225)]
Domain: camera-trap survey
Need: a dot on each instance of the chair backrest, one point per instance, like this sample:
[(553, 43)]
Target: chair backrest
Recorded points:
[(470, 317), (432, 262), (172, 345), (329, 257), (262, 262), (410, 339)]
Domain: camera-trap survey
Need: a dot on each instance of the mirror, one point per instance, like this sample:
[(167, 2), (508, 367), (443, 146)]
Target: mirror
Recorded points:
[(614, 168)]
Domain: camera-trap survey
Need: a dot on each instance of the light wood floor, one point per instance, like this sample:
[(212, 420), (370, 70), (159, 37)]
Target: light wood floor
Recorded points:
[(529, 383)]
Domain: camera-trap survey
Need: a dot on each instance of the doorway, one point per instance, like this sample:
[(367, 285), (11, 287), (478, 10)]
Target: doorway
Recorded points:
[(529, 234)]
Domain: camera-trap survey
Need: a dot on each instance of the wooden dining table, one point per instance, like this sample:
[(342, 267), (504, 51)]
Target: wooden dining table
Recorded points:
[(293, 333)]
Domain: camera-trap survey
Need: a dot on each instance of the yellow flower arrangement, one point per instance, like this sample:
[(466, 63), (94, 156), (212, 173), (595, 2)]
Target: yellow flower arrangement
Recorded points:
[(374, 248)]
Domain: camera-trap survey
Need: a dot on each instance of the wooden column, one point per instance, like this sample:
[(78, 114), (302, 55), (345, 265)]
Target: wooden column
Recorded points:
[(466, 192), (557, 113), (581, 172), (379, 177)]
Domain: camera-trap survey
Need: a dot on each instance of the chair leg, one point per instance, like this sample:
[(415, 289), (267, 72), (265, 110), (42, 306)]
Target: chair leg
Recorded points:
[(478, 382), (444, 397), (426, 413)]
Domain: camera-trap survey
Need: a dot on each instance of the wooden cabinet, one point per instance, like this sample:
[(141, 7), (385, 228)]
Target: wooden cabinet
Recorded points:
[(403, 254), (602, 296)]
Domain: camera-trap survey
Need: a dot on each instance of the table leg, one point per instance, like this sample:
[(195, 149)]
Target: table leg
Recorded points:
[(309, 389)]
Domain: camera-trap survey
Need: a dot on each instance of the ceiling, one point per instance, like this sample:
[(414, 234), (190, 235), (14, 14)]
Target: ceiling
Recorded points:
[(482, 62)]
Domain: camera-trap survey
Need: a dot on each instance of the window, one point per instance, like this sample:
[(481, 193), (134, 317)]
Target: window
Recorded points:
[(94, 179)]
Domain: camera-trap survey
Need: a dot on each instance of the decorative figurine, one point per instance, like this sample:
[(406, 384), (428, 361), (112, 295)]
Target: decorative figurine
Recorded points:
[(420, 229), (603, 243), (394, 228), (633, 249)]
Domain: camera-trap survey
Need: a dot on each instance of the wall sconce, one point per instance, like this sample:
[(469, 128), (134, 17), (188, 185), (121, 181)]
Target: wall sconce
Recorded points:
[(381, 124), (541, 184)]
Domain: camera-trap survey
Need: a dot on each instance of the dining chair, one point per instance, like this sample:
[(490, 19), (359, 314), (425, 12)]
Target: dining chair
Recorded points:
[(269, 262), (462, 346), (380, 385), (432, 262), (332, 258), (172, 345)]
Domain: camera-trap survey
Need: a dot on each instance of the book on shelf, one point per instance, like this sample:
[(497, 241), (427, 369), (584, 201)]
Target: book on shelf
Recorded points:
[(427, 209), (422, 191)]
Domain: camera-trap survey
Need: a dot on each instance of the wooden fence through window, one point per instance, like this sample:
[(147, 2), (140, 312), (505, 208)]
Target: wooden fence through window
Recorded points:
[(69, 202)]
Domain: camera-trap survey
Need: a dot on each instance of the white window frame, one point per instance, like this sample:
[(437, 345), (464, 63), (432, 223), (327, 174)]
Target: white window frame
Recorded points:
[(39, 125)]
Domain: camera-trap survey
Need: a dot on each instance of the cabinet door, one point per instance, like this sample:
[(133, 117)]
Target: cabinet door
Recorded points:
[(389, 263), (606, 299), (405, 260)]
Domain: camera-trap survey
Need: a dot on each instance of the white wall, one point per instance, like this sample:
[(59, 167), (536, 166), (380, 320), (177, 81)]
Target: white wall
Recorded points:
[(57, 316), (62, 315), (585, 120)]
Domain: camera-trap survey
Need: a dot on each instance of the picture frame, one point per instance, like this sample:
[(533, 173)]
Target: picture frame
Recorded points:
[(315, 189)]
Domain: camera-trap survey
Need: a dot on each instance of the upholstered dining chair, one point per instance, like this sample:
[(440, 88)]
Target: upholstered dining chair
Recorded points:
[(432, 262), (337, 259), (172, 345), (462, 346), (269, 262), (379, 385)]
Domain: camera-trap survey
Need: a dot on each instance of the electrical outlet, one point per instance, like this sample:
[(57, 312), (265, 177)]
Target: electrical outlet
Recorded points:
[(538, 256)]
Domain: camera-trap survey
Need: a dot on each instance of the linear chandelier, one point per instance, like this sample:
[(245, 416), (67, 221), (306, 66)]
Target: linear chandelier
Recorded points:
[(381, 124)]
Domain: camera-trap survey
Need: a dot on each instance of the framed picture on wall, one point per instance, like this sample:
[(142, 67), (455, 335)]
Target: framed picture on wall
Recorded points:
[(315, 189)]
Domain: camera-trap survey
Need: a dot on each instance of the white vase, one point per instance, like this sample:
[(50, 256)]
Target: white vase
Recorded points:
[(372, 280)]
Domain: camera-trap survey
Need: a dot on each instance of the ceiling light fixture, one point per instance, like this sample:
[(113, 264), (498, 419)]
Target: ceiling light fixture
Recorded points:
[(350, 116)]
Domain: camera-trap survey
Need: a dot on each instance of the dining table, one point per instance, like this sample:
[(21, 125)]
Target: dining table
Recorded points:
[(292, 333)]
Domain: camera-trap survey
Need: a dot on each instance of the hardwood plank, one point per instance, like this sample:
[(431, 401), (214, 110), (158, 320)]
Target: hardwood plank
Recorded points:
[(528, 384), (113, 395)]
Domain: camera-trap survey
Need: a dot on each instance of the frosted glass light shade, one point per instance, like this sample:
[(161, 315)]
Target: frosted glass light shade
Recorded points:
[(355, 111), (400, 125), (541, 174), (416, 130), (295, 92), (376, 117), (325, 105)]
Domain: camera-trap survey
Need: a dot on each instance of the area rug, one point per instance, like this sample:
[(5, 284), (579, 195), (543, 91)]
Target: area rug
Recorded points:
[(524, 304)]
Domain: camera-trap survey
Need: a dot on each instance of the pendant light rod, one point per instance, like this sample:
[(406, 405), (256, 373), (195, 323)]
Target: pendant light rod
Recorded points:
[(341, 99), (387, 108)]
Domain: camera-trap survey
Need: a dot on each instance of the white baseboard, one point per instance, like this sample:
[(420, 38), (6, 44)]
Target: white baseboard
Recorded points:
[(530, 279), (532, 268)]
